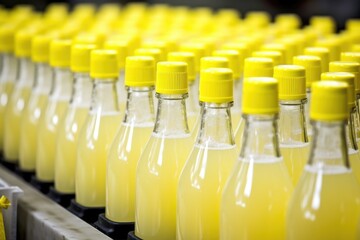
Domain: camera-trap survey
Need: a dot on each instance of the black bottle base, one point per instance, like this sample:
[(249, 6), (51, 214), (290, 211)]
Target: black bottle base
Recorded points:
[(115, 230), (88, 214), (40, 185), (26, 175), (132, 236), (9, 165), (62, 199)]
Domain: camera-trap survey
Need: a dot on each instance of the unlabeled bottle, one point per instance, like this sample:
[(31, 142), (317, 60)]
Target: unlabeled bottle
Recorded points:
[(294, 143), (256, 195), (8, 73), (130, 140), (353, 149), (19, 97), (192, 105), (326, 201), (164, 156), (29, 127), (97, 133), (54, 110), (73, 120), (210, 162), (312, 67)]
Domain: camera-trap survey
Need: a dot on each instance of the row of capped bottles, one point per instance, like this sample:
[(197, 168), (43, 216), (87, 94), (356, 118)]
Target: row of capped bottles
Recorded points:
[(151, 155)]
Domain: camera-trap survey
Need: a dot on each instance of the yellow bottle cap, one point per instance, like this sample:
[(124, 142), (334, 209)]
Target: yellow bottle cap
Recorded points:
[(322, 53), (216, 85), (80, 57), (258, 67), (162, 45), (350, 67), (151, 52), (355, 48), (348, 78), (122, 49), (89, 38), (7, 34), (260, 96), (350, 57), (276, 56), (353, 25), (213, 62), (198, 49), (103, 64), (257, 19), (60, 53), (171, 78), (23, 43), (234, 60), (139, 71), (40, 48), (288, 21), (292, 83), (329, 101), (241, 47), (325, 24), (187, 57), (280, 47), (312, 67), (333, 45)]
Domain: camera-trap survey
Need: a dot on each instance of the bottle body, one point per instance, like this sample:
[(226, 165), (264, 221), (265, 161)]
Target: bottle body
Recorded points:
[(15, 108), (31, 116), (192, 105)]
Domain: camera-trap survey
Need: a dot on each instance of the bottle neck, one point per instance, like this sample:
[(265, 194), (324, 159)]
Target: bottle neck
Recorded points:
[(140, 106), (63, 84), (260, 139), (82, 89), (351, 130), (26, 72), (215, 126), (43, 78), (104, 97), (292, 121), (171, 118), (9, 68), (329, 144)]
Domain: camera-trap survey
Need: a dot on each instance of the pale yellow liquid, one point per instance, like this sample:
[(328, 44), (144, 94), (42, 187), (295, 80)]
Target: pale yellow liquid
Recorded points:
[(191, 119), (124, 155), (199, 193), (325, 205), (13, 114), (235, 118), (66, 148), (255, 200), (6, 89), (46, 139), (295, 158), (29, 131), (157, 177), (354, 160), (94, 143)]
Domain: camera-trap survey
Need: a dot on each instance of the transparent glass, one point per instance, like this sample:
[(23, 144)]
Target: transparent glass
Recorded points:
[(49, 123), (15, 108), (256, 195), (68, 133), (326, 201), (205, 173), (159, 168), (94, 143), (353, 149), (236, 109), (192, 104), (31, 116), (294, 143), (8, 75), (125, 152)]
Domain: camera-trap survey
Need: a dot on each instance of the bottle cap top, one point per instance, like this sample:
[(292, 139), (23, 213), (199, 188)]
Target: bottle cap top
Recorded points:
[(60, 53), (216, 85), (258, 67), (350, 57), (348, 78), (329, 101), (80, 57), (187, 57), (139, 71), (350, 67), (40, 48), (260, 95), (312, 67), (234, 60), (171, 78), (103, 64), (292, 84)]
